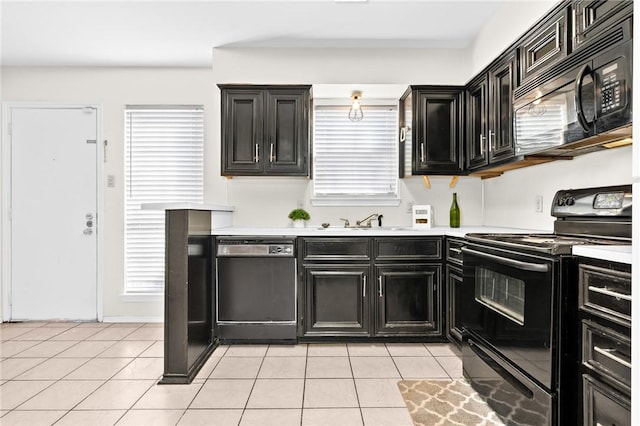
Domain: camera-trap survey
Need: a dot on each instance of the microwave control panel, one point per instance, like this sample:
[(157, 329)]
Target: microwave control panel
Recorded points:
[(613, 89)]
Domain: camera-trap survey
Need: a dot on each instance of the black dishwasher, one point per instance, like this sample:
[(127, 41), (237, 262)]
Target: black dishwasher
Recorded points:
[(256, 289)]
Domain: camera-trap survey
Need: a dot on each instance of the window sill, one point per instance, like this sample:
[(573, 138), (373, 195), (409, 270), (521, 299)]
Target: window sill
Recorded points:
[(142, 297), (352, 201)]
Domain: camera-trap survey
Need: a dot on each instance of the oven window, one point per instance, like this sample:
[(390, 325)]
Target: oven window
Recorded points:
[(502, 293)]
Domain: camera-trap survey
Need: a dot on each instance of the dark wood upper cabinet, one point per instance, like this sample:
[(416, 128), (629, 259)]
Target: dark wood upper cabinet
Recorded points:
[(591, 17), (501, 84), (265, 130), (477, 122), (545, 44), (490, 114), (436, 129)]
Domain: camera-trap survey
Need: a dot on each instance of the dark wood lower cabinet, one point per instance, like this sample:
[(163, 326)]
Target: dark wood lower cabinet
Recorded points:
[(370, 287), (337, 300), (406, 300)]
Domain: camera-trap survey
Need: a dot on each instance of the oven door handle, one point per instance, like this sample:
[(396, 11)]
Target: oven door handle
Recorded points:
[(525, 266)]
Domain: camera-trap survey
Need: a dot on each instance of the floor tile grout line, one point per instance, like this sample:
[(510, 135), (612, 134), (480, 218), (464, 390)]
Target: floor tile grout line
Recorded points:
[(355, 387), (304, 382), (255, 380)]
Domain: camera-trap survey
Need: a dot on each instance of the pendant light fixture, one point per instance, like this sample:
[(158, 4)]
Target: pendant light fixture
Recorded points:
[(355, 112)]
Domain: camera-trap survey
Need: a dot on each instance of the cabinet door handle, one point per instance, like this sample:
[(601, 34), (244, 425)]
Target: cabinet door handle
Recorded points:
[(423, 159), (380, 285), (256, 157), (455, 250), (610, 293), (403, 134), (272, 156), (492, 141), (482, 139), (574, 31), (364, 286), (558, 41), (608, 353)]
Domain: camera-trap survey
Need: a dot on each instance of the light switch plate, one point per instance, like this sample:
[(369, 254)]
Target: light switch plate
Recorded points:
[(538, 203), (111, 181)]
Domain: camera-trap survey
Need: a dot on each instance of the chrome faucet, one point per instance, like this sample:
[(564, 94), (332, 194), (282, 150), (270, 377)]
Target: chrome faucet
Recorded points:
[(368, 220)]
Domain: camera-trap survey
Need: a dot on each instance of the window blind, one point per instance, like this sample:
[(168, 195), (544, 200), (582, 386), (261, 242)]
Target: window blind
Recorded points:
[(355, 160), (163, 163)]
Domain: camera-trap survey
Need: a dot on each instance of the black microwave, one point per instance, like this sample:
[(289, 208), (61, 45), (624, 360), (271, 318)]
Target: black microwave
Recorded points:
[(592, 98)]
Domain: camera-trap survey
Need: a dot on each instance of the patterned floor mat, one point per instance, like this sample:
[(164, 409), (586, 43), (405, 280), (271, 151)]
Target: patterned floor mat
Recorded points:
[(446, 403)]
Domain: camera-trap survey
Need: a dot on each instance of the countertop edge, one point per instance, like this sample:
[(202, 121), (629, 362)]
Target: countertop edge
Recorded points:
[(313, 231), (620, 254)]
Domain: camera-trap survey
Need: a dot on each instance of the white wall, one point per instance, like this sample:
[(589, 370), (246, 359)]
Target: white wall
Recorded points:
[(509, 23), (510, 198), (114, 88), (267, 201)]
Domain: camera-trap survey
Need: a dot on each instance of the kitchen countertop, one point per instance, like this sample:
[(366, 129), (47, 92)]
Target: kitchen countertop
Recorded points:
[(387, 231), (620, 254)]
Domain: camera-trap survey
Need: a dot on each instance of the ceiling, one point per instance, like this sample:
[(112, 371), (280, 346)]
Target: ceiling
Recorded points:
[(182, 33)]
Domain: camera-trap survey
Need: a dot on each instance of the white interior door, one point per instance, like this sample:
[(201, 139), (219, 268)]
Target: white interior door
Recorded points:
[(53, 213)]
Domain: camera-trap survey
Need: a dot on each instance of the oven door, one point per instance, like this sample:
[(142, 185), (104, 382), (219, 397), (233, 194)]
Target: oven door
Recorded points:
[(511, 300)]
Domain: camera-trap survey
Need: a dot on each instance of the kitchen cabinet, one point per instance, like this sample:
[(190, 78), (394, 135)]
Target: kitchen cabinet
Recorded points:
[(334, 294), (370, 287), (265, 130), (453, 282), (434, 125), (544, 45), (407, 289), (591, 17), (336, 301), (406, 300), (605, 294), (489, 99)]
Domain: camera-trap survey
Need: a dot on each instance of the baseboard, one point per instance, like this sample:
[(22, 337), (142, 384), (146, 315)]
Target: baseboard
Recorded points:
[(133, 319)]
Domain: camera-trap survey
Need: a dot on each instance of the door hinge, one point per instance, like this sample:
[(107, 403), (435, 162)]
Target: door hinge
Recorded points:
[(10, 128), (92, 141)]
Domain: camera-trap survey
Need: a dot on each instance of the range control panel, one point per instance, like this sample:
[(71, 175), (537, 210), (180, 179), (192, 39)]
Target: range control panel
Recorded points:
[(604, 201)]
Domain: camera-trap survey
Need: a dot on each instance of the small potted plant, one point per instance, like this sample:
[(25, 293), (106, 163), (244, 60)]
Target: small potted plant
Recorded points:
[(299, 217)]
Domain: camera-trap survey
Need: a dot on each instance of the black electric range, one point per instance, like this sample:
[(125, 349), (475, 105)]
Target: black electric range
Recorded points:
[(520, 294)]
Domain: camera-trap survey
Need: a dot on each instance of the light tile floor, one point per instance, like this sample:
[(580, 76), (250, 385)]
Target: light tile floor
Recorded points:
[(107, 374)]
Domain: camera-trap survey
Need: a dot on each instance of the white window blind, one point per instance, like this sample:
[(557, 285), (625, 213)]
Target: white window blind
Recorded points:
[(163, 163), (355, 162)]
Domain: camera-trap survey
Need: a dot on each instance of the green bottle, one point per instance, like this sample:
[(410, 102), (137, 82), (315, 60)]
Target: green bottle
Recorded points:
[(454, 213)]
